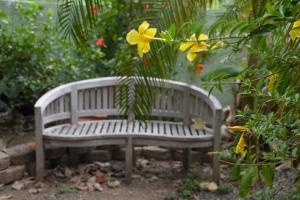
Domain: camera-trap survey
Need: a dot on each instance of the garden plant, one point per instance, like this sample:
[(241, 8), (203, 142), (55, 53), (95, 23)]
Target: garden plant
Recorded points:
[(153, 38)]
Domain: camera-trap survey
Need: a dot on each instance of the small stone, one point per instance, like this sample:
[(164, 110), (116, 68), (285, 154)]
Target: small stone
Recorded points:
[(4, 160), (11, 174), (20, 154)]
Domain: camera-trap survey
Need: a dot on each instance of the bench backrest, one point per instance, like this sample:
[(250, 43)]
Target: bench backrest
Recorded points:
[(96, 97)]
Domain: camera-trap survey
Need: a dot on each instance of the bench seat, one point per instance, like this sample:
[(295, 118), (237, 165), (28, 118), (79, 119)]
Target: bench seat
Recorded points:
[(90, 130), (89, 113)]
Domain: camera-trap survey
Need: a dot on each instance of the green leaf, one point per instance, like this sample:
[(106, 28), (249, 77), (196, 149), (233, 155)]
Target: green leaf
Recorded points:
[(247, 181), (235, 172), (268, 174), (266, 28), (225, 73), (172, 31)]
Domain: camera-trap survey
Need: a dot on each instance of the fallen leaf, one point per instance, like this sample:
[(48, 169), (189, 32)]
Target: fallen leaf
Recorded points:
[(101, 178), (81, 186), (285, 165), (90, 187), (113, 183), (34, 190), (198, 123), (23, 184), (210, 186), (39, 185), (17, 185), (92, 180), (7, 197), (68, 172), (98, 187)]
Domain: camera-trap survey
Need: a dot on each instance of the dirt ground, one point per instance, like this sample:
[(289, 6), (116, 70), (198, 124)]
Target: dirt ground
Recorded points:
[(154, 181)]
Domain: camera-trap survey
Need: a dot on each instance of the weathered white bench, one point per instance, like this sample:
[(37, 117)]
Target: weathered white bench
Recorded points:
[(58, 113)]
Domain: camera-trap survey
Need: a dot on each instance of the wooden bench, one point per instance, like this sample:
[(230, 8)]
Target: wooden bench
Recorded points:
[(58, 114)]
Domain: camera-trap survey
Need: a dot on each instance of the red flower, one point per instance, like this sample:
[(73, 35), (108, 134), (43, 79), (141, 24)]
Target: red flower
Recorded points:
[(200, 68), (100, 42), (94, 9)]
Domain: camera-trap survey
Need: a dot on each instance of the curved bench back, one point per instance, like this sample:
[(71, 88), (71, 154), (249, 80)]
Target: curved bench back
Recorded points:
[(97, 97)]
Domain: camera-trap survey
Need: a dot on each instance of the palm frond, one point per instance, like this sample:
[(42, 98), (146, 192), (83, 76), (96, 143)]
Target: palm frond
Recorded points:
[(162, 58), (76, 17)]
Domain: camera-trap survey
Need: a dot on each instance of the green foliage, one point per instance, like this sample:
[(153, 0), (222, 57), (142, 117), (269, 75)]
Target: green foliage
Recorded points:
[(271, 80), (33, 57)]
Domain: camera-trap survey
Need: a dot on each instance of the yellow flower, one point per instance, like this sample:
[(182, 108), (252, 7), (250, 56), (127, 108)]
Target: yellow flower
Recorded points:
[(295, 32), (240, 147), (194, 46), (241, 129), (141, 38)]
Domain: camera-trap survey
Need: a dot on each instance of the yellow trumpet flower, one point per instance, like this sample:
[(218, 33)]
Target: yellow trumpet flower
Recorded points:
[(240, 147), (295, 32), (195, 46), (241, 129), (142, 37)]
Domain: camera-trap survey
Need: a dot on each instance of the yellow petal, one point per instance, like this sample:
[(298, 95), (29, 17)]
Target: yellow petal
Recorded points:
[(240, 147), (192, 38), (143, 27), (200, 47), (150, 32), (295, 33), (185, 45), (203, 37), (140, 50), (146, 47), (296, 24), (133, 37), (191, 56)]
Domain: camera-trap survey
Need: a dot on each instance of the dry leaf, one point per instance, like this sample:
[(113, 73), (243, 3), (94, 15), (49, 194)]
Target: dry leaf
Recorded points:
[(34, 190), (198, 123), (81, 186), (101, 178), (98, 187), (112, 183), (7, 197), (210, 186)]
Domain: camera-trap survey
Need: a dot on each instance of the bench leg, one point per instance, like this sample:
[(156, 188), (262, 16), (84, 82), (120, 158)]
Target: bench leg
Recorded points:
[(128, 160), (186, 159), (216, 169), (40, 161)]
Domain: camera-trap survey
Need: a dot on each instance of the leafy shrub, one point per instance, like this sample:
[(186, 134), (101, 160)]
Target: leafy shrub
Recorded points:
[(34, 58)]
